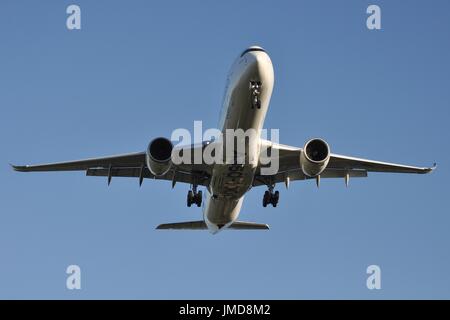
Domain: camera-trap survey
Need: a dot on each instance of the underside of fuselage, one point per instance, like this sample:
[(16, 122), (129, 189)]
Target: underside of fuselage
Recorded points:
[(247, 97)]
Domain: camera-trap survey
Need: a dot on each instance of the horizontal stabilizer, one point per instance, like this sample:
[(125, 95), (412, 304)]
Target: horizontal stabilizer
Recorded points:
[(242, 225), (190, 225), (201, 225)]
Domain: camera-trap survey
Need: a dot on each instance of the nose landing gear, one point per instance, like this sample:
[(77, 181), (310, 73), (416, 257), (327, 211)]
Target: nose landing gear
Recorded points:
[(255, 89)]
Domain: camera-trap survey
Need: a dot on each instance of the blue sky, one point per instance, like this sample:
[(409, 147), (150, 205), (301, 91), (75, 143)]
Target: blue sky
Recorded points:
[(139, 69)]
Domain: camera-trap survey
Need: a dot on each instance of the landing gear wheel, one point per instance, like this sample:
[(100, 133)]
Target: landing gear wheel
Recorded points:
[(198, 198), (256, 103), (275, 198), (271, 197), (266, 198), (194, 197), (255, 89), (190, 198)]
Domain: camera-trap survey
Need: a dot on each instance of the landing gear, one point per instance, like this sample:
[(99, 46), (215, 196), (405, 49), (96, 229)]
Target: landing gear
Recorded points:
[(255, 89), (194, 197), (271, 197)]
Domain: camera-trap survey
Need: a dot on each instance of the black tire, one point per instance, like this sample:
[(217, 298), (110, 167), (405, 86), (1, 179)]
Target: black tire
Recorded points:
[(276, 196), (198, 199), (266, 198), (190, 197)]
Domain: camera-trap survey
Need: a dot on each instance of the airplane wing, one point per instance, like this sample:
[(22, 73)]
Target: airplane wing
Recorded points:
[(345, 162), (339, 166), (125, 165), (129, 160)]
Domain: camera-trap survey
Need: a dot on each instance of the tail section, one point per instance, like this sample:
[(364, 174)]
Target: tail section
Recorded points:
[(201, 225)]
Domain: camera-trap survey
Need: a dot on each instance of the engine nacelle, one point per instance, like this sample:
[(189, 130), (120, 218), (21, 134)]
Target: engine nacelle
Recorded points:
[(314, 157), (159, 156)]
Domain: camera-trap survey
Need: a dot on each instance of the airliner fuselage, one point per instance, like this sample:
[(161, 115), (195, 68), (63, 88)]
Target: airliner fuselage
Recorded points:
[(247, 96)]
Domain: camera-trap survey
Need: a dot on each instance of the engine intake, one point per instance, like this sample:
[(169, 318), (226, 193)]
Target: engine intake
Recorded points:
[(159, 156), (314, 157)]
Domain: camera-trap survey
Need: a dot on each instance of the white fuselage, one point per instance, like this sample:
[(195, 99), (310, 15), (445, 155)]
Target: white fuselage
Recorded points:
[(230, 182)]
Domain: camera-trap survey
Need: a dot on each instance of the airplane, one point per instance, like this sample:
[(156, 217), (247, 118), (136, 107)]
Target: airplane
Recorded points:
[(248, 92)]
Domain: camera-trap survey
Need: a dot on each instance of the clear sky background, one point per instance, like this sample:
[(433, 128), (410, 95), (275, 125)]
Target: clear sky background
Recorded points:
[(139, 69)]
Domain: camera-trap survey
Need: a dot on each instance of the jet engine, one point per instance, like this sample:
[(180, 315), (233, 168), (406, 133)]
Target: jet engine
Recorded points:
[(159, 156), (314, 157)]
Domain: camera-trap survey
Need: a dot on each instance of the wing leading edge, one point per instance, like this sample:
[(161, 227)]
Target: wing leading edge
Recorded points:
[(130, 160)]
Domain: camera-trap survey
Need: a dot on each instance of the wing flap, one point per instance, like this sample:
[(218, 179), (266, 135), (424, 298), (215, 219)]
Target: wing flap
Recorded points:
[(184, 177), (118, 172), (339, 173), (298, 174)]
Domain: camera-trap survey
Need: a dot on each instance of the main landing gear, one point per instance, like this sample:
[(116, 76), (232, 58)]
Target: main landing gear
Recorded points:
[(255, 89), (194, 196), (271, 197)]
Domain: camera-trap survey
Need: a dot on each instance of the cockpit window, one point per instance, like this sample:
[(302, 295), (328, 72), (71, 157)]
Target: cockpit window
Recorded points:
[(252, 49)]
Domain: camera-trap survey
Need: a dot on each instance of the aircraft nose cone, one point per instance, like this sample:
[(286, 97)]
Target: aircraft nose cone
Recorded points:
[(257, 59), (256, 48), (252, 49)]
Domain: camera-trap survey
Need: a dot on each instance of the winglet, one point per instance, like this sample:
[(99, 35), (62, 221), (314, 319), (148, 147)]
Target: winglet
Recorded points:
[(428, 170)]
